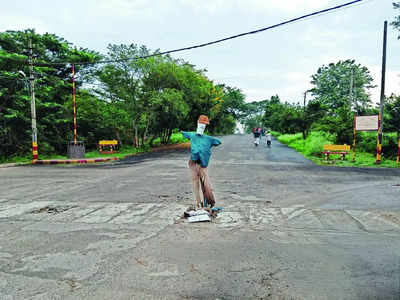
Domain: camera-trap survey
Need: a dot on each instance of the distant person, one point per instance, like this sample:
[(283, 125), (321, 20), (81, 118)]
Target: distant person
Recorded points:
[(269, 138), (256, 133), (200, 147)]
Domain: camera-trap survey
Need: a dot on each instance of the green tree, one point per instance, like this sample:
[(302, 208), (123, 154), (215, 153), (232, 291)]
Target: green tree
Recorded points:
[(314, 111), (53, 88), (164, 98), (122, 83), (392, 113), (332, 86), (254, 115), (396, 22), (229, 108), (332, 90), (391, 121), (98, 119)]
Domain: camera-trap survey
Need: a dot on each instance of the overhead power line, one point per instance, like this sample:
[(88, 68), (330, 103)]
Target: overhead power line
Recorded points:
[(213, 42)]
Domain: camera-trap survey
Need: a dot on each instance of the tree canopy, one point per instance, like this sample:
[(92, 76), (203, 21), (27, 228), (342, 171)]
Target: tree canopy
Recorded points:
[(52, 89), (396, 22), (130, 99), (332, 85)]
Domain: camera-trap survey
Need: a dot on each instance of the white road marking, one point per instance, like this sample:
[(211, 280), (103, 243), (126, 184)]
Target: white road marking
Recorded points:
[(251, 215), (104, 214), (7, 210)]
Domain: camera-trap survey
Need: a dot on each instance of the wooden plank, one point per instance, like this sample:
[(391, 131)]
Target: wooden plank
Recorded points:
[(336, 147)]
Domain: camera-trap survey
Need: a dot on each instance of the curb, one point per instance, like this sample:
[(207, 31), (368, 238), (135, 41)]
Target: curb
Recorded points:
[(72, 161), (172, 147), (162, 148), (14, 165), (105, 159)]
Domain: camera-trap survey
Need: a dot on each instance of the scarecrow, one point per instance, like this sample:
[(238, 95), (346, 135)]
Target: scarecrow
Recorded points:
[(200, 146)]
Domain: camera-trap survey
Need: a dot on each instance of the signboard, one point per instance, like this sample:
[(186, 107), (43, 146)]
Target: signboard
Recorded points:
[(366, 123)]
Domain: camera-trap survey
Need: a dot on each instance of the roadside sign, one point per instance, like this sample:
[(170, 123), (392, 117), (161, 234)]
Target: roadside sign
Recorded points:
[(366, 123)]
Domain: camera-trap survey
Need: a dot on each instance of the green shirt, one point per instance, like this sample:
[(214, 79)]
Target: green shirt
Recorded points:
[(200, 146)]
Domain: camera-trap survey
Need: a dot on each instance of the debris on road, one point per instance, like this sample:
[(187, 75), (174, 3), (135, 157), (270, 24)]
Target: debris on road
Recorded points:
[(199, 218), (51, 209), (140, 262), (202, 215)]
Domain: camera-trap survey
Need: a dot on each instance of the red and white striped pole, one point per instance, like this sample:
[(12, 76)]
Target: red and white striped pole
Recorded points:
[(354, 137), (379, 143), (74, 102)]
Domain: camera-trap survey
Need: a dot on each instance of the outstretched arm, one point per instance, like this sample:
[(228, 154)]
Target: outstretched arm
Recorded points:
[(186, 134), (216, 142)]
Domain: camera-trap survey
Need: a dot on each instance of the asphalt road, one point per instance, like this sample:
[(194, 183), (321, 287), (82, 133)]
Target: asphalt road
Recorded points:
[(289, 229)]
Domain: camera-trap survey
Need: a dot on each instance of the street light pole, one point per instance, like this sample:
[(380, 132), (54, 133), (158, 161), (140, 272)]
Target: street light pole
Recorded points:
[(33, 106)]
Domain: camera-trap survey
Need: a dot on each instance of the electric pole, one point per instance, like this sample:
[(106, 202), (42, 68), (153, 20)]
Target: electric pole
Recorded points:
[(304, 115), (33, 106), (351, 87), (382, 100)]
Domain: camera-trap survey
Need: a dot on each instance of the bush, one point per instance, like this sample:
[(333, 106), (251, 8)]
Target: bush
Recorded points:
[(367, 142), (275, 133), (294, 141), (316, 140), (289, 139), (390, 145)]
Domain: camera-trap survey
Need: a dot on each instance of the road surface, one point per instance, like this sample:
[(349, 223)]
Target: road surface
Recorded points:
[(289, 229)]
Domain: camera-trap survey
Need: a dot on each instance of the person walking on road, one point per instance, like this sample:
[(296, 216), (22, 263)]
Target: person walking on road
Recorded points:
[(269, 138), (257, 133), (200, 147)]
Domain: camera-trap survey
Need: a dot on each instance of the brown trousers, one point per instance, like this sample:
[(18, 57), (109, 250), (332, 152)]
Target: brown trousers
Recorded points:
[(199, 178)]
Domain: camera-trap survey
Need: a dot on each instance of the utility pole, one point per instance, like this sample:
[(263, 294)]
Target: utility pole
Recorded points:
[(33, 106), (354, 120), (382, 100), (351, 87), (304, 115), (74, 102)]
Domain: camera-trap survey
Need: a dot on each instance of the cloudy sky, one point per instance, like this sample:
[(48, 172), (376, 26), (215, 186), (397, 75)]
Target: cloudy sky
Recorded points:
[(279, 61)]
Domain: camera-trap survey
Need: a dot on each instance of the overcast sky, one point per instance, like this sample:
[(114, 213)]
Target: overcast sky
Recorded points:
[(279, 61)]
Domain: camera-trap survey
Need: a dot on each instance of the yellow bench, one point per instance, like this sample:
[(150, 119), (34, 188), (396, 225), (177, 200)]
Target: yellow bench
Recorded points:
[(336, 149), (108, 146)]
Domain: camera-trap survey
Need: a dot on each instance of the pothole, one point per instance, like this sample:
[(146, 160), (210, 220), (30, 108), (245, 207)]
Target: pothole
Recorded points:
[(51, 209)]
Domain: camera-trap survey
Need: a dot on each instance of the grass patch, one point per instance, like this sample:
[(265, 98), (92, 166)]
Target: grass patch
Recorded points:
[(176, 138), (312, 148)]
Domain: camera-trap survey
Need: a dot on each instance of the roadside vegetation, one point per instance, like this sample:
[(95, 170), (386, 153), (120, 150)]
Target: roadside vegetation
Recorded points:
[(328, 116), (126, 150), (312, 148), (139, 102), (145, 102), (325, 115)]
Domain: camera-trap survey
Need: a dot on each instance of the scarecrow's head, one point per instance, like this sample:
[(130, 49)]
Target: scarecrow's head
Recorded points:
[(201, 124)]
